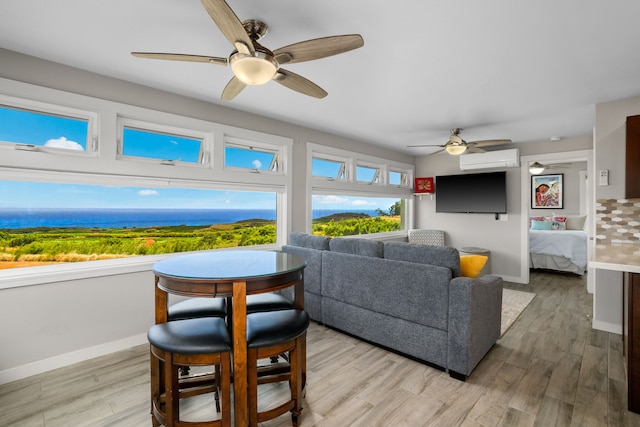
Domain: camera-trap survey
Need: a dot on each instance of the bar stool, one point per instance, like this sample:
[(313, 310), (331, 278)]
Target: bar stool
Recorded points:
[(190, 342), (192, 308), (270, 334)]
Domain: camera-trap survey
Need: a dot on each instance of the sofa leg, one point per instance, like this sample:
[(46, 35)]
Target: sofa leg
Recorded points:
[(457, 376)]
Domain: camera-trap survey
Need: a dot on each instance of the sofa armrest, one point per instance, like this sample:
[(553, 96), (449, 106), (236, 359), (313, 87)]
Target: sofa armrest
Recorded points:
[(475, 311)]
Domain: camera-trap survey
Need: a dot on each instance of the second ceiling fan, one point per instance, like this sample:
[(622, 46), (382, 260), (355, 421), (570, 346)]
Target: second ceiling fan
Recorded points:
[(456, 145), (254, 64)]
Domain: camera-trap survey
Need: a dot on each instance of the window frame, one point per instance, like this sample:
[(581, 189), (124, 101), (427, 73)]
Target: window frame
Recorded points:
[(104, 164), (259, 146), (351, 187), (151, 127), (60, 110)]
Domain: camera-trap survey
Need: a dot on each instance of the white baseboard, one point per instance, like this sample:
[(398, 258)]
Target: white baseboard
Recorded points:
[(512, 279), (614, 328), (44, 365)]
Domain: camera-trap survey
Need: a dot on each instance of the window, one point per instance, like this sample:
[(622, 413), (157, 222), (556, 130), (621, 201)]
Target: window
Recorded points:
[(53, 223), (338, 215), (121, 201), (398, 178), (141, 143), (367, 174), (356, 194), (332, 169), (34, 130), (170, 145), (251, 158)]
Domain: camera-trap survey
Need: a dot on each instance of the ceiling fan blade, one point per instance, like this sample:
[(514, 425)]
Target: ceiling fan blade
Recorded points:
[(181, 57), (232, 89), (229, 24), (473, 149), (299, 84), (490, 142), (424, 145), (317, 48), (436, 152)]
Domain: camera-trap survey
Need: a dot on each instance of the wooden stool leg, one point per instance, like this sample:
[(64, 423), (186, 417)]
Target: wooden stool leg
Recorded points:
[(155, 385), (225, 386), (172, 390), (252, 386), (295, 361)]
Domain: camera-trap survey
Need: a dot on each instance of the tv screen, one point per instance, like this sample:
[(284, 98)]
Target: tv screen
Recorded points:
[(472, 193)]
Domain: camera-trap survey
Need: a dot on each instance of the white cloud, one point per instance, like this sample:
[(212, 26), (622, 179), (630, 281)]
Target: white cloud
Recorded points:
[(257, 164), (148, 193), (329, 200), (63, 142)]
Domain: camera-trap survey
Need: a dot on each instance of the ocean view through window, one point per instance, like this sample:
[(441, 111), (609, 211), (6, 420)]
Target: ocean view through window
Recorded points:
[(48, 223)]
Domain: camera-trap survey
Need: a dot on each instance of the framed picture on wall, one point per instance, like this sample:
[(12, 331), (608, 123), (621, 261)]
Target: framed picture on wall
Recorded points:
[(547, 191)]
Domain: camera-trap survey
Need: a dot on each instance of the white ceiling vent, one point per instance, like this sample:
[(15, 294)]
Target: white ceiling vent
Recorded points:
[(491, 159)]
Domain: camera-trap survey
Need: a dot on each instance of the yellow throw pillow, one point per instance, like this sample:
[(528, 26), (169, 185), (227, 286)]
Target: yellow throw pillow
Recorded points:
[(471, 265)]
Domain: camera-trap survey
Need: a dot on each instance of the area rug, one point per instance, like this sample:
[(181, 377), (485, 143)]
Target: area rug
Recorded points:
[(513, 304)]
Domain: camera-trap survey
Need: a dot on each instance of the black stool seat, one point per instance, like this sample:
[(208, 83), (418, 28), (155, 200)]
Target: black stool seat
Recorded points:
[(270, 301), (266, 329), (191, 336), (197, 307)]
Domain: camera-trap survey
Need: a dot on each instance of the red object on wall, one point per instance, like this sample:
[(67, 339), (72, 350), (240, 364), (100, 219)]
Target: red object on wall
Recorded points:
[(424, 185)]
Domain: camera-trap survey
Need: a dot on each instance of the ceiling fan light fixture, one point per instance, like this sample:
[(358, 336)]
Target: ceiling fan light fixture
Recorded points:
[(535, 168), (455, 149), (254, 70)]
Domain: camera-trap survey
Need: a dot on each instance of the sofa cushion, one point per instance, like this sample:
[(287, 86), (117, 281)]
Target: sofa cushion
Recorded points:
[(404, 290), (364, 247), (443, 256), (310, 241)]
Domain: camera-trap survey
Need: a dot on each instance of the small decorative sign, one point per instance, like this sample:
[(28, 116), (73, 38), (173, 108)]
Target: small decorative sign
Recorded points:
[(424, 185)]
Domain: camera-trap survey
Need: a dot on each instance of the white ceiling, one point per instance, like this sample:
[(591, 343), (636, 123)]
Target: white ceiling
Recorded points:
[(497, 68)]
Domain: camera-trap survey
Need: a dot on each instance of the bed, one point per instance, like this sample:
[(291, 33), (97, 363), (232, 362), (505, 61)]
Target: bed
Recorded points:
[(559, 249)]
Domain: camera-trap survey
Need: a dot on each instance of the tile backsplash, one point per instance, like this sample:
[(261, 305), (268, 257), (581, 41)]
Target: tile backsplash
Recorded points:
[(618, 221)]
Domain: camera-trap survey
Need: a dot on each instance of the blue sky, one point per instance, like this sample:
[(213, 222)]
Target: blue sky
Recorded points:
[(26, 127)]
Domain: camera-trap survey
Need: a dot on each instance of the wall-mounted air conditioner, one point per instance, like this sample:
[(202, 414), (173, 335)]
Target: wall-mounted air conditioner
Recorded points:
[(491, 159)]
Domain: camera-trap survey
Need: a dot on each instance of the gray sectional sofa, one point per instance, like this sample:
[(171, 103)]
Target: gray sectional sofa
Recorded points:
[(407, 297)]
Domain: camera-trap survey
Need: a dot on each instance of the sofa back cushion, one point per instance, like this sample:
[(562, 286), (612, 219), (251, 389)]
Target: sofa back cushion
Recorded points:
[(413, 292), (364, 247), (310, 241), (443, 256)]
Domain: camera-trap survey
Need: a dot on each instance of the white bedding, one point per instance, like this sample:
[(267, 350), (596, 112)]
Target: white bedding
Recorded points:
[(570, 244)]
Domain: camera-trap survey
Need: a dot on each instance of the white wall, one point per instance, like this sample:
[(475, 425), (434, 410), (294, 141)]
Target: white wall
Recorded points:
[(48, 325), (504, 237)]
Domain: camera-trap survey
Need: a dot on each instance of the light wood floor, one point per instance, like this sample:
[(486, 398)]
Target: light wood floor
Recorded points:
[(550, 369)]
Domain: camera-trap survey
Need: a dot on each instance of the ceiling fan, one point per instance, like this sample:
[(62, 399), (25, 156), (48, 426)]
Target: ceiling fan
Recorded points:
[(456, 145), (254, 64), (536, 168)]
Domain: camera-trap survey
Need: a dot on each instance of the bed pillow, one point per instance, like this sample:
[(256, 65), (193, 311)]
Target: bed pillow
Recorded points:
[(471, 265), (535, 218), (558, 222), (540, 225), (576, 222)]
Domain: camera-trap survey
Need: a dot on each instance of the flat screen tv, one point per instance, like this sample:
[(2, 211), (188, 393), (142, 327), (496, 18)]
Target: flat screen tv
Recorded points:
[(472, 193)]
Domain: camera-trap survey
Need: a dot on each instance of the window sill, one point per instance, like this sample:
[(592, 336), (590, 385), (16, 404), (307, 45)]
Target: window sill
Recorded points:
[(30, 276)]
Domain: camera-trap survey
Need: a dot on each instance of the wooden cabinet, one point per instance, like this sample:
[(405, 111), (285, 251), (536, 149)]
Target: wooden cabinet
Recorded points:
[(632, 174), (631, 333)]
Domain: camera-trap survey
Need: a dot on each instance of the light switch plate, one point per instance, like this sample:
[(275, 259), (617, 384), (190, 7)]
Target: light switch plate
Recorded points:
[(603, 177)]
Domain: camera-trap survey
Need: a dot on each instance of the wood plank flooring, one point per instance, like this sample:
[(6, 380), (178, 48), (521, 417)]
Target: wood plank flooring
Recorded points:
[(549, 369)]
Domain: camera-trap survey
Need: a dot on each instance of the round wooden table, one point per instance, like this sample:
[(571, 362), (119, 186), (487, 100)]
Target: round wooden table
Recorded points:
[(234, 274)]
